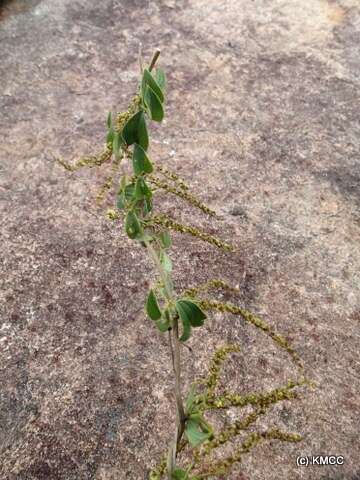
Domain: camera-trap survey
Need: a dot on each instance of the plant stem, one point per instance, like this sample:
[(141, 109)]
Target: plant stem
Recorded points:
[(174, 344), (175, 356), (176, 360)]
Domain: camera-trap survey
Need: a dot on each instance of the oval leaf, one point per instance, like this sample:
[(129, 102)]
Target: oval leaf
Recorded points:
[(160, 78), (116, 144), (129, 192), (110, 136), (141, 189), (179, 474), (109, 120), (162, 325), (166, 262), (194, 434), (135, 131), (152, 307), (148, 79), (141, 162), (120, 203), (153, 104), (190, 312), (148, 205), (186, 331), (125, 196), (132, 225), (165, 239)]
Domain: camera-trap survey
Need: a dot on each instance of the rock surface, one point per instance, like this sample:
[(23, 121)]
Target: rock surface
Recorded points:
[(263, 120)]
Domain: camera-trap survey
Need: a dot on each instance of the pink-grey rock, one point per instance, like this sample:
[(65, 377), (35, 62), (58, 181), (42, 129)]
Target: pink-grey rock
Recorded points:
[(262, 120)]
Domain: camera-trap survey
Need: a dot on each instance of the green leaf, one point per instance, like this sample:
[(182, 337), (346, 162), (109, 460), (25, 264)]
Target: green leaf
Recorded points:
[(195, 434), (126, 195), (153, 104), (116, 144), (141, 189), (202, 423), (141, 162), (160, 78), (152, 306), (129, 192), (132, 225), (186, 331), (188, 311), (162, 325), (109, 120), (180, 474), (145, 237), (110, 136), (123, 182), (166, 262), (148, 79), (120, 203), (165, 239), (148, 205), (199, 419), (135, 131)]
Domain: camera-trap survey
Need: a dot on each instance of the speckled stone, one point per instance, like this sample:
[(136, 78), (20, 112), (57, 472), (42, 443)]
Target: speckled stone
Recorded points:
[(262, 114)]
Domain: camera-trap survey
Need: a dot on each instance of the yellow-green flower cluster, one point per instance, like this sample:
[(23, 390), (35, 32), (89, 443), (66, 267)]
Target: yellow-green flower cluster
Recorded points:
[(158, 472), (209, 285), (185, 195), (215, 368), (261, 400), (90, 162), (110, 180), (223, 466), (172, 176), (254, 320), (168, 222)]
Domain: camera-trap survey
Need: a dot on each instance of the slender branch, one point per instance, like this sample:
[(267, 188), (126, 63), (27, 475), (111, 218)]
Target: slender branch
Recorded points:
[(171, 350), (177, 370), (168, 290), (175, 358), (176, 362)]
